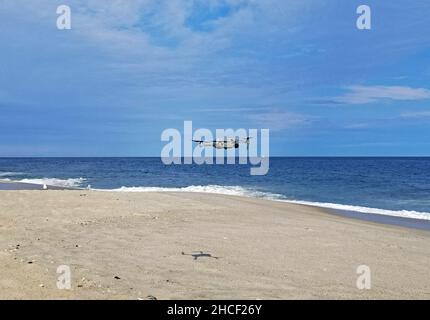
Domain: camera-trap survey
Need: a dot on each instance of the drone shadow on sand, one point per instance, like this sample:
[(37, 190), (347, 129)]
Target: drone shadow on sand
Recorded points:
[(199, 254)]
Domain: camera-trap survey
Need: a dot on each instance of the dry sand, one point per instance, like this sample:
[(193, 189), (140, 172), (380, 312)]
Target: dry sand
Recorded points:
[(259, 249)]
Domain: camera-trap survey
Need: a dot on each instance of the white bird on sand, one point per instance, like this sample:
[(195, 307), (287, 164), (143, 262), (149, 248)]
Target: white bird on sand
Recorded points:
[(45, 187)]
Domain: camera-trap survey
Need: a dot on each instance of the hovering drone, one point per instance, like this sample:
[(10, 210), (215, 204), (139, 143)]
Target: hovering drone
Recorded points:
[(227, 143)]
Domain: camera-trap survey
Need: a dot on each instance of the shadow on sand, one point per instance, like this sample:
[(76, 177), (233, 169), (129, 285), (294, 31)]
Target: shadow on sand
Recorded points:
[(199, 254)]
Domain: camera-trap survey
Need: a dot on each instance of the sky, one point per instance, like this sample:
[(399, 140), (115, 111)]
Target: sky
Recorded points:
[(127, 70)]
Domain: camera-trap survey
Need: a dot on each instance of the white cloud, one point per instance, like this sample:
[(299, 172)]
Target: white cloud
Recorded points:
[(153, 41), (361, 125), (279, 120), (416, 115), (370, 94)]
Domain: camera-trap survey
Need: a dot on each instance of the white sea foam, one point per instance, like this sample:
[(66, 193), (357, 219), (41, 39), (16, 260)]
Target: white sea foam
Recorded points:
[(63, 183), (227, 190), (11, 174), (246, 192), (395, 213)]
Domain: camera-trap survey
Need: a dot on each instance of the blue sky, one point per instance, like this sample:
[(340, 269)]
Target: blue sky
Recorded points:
[(127, 70)]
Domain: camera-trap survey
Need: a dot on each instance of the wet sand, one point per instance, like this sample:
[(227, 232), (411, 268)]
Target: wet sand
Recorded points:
[(12, 185), (199, 246)]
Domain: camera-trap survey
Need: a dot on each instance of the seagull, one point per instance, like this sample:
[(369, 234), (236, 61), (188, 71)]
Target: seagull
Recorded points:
[(45, 187)]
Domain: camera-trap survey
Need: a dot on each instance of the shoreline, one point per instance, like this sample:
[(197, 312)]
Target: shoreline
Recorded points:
[(407, 222), (6, 185), (199, 246)]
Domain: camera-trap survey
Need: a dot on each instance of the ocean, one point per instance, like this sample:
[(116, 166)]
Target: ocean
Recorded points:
[(386, 186)]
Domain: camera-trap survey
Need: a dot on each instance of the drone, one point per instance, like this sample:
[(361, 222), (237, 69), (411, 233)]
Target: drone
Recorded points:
[(227, 143)]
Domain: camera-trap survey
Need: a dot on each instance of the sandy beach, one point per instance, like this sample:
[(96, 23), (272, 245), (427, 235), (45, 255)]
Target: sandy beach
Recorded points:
[(199, 246)]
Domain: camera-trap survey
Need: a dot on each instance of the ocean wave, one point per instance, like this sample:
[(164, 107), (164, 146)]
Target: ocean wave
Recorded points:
[(63, 183), (396, 213), (217, 189), (11, 174), (248, 192)]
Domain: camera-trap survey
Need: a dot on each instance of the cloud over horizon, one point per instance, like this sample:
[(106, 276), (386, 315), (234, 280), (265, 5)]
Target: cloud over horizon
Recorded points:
[(360, 94)]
